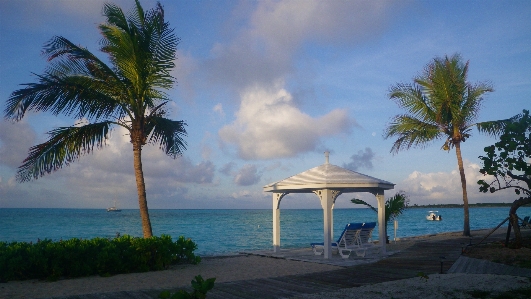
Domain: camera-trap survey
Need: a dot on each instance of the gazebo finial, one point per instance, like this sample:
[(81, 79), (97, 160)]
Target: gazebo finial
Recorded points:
[(327, 157)]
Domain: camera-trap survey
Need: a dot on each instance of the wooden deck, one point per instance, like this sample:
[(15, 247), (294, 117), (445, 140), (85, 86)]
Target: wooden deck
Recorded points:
[(422, 258)]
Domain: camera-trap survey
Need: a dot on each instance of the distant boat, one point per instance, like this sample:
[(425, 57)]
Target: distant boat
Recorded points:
[(113, 208), (432, 216)]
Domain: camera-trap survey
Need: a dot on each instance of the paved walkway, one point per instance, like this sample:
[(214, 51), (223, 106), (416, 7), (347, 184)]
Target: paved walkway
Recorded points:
[(424, 256)]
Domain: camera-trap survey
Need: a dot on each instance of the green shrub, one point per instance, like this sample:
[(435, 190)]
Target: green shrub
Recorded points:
[(200, 288), (76, 257)]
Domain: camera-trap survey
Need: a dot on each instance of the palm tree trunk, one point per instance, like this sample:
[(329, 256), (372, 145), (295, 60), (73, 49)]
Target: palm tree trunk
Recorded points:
[(141, 189), (466, 223)]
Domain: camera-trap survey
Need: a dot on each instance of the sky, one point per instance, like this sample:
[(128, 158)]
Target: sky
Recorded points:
[(266, 87)]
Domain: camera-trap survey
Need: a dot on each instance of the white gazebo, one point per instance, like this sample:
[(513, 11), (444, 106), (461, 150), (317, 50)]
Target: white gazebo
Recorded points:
[(328, 181)]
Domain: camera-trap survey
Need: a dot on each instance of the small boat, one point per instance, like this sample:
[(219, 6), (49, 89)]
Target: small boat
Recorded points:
[(432, 216), (113, 208)]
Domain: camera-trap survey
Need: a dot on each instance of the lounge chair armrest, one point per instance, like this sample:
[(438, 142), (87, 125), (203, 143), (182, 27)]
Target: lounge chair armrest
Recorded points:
[(318, 249), (360, 252), (343, 255)]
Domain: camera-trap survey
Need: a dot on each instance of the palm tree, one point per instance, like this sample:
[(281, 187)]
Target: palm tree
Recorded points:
[(394, 206), (441, 104), (128, 93)]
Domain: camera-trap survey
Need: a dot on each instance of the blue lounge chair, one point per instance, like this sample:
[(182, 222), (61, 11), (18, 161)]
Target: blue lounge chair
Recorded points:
[(365, 238), (349, 240)]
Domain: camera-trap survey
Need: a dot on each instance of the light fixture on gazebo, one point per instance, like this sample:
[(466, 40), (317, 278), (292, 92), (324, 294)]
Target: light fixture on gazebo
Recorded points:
[(328, 181)]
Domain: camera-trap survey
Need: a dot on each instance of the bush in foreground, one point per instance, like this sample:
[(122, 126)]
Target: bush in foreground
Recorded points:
[(200, 288), (50, 260)]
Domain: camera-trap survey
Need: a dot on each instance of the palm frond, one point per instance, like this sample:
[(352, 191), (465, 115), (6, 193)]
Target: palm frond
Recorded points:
[(167, 133), (115, 16), (473, 101), (76, 83), (395, 205), (495, 128), (411, 98), (361, 202), (142, 47), (411, 132), (447, 77), (77, 96), (65, 145), (70, 59)]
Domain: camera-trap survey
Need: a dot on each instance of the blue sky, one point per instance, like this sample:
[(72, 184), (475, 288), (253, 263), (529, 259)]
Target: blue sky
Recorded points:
[(265, 88)]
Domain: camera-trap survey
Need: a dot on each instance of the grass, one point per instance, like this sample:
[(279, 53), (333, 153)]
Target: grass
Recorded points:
[(497, 252), (514, 294)]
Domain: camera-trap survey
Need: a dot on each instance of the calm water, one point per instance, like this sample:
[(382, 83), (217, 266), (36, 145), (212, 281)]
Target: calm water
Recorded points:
[(228, 231)]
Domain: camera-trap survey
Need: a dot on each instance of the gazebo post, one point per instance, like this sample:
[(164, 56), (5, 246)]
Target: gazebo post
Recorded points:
[(382, 237), (277, 197), (332, 221), (327, 198), (327, 202)]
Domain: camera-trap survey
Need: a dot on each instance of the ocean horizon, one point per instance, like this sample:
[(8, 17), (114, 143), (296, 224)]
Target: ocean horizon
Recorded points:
[(229, 231)]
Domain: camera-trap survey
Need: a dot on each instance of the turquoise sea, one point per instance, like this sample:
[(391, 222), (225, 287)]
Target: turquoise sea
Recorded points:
[(219, 232)]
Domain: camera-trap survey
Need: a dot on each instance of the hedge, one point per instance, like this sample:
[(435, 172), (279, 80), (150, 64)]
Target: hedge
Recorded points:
[(51, 260)]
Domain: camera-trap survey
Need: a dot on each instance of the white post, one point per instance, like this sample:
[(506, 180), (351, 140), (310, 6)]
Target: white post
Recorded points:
[(332, 222), (382, 238), (396, 227), (327, 201), (276, 220)]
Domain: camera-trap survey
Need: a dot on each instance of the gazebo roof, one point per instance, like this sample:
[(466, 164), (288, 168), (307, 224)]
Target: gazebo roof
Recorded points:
[(328, 176)]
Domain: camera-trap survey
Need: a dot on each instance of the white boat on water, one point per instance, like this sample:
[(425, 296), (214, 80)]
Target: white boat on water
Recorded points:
[(432, 216), (113, 208)]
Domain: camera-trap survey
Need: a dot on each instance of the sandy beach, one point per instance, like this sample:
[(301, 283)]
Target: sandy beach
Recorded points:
[(240, 267), (246, 267)]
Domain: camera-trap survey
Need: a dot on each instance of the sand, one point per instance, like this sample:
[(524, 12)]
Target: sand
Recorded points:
[(241, 267)]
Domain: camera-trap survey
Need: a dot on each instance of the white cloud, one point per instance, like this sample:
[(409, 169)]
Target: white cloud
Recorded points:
[(206, 152), (227, 168), (241, 194), (9, 184), (184, 72), (363, 159), (247, 175), (268, 125), (156, 164), (445, 187), (219, 109), (261, 58), (287, 24), (15, 141), (254, 196), (267, 49)]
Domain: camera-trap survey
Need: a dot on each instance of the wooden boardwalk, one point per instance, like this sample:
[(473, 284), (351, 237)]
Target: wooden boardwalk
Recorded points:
[(422, 258)]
